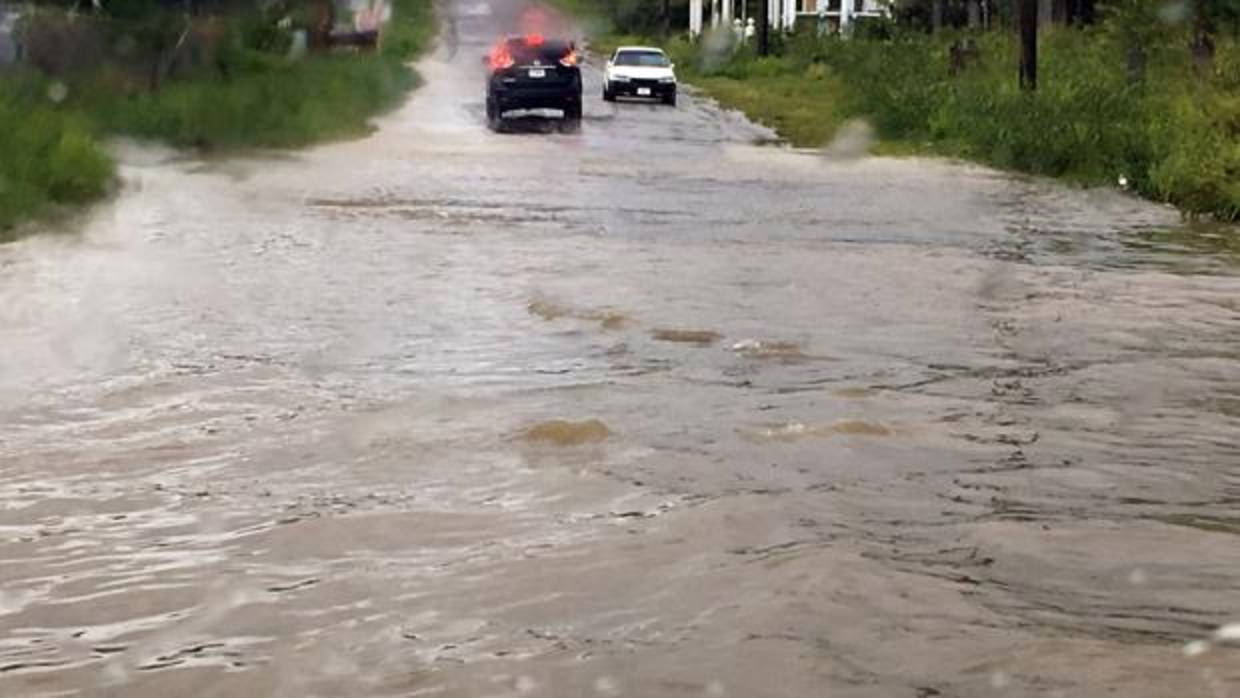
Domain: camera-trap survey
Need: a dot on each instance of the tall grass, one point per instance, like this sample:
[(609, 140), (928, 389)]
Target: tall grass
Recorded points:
[(48, 158), (51, 152), (257, 99), (279, 105), (1174, 136)]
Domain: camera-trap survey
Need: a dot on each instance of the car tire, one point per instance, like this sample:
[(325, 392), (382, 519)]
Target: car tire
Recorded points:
[(608, 95), (494, 119), (670, 99)]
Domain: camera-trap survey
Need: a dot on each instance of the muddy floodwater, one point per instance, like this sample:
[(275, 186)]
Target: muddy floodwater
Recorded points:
[(653, 409)]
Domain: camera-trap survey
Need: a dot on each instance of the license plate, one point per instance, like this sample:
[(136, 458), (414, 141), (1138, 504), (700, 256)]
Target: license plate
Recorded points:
[(538, 73), (643, 92)]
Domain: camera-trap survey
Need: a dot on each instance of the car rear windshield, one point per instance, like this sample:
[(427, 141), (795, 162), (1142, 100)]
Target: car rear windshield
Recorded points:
[(654, 59), (543, 52)]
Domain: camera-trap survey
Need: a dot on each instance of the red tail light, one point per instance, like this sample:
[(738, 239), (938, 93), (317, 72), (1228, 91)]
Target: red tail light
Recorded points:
[(534, 40), (570, 59), (501, 58)]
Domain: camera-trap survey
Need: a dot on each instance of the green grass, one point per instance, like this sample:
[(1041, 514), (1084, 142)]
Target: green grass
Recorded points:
[(1175, 137), (261, 100), (283, 105), (50, 150), (804, 114), (48, 158)]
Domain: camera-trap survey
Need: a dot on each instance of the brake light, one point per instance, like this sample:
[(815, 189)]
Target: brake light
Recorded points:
[(570, 59), (501, 58), (534, 40)]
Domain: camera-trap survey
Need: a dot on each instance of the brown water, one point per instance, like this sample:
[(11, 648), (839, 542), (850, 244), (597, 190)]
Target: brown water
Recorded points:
[(649, 410)]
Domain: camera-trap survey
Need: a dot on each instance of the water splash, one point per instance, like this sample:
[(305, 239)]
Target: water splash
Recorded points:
[(1227, 635), (852, 141), (718, 44)]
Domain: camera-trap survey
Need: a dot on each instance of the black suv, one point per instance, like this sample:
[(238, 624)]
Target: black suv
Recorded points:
[(531, 72)]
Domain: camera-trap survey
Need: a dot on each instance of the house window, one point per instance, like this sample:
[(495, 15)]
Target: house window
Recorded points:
[(807, 7)]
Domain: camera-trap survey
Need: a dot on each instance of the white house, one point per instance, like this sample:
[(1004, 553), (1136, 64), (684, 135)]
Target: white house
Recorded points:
[(830, 15)]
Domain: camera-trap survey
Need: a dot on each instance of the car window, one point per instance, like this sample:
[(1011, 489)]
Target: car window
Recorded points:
[(654, 59)]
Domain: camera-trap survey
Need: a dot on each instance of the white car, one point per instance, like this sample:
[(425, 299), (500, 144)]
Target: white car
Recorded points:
[(640, 71)]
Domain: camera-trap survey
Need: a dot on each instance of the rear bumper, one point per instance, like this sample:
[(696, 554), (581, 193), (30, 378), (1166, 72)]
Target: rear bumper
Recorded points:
[(511, 100)]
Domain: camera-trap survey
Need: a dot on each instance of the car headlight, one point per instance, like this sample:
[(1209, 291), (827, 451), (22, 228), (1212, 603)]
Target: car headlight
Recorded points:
[(619, 78), (667, 80)]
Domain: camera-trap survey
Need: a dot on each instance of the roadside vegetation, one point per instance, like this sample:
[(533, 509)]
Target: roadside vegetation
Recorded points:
[(1167, 126), (47, 157), (234, 80)]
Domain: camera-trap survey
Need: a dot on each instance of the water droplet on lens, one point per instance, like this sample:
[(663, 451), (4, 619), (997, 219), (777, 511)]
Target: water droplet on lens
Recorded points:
[(57, 92), (1196, 648)]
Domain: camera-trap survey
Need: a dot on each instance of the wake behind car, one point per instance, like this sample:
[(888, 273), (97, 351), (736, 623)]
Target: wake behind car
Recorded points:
[(532, 73), (640, 71)]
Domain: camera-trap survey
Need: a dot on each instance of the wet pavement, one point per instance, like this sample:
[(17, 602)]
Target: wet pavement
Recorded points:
[(648, 410)]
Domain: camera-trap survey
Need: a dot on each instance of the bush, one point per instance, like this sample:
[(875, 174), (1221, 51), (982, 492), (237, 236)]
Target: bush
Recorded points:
[(1174, 137), (47, 158), (281, 106), (49, 150)]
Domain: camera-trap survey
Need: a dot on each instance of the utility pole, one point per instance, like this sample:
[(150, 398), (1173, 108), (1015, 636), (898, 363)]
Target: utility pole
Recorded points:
[(764, 27), (1028, 44)]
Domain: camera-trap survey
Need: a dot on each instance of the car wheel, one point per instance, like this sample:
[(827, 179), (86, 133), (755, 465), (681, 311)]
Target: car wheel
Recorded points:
[(608, 95), (670, 99), (572, 116), (493, 117)]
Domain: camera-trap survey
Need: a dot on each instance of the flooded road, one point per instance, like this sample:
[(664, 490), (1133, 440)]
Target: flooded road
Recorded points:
[(649, 410)]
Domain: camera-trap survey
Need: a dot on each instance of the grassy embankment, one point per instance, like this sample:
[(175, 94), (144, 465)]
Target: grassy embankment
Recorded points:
[(1173, 136), (51, 152)]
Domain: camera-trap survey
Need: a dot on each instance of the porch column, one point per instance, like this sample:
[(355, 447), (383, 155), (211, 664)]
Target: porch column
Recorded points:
[(695, 18), (846, 10)]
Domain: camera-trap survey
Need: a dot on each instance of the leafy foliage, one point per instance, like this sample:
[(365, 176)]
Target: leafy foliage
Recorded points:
[(1174, 137), (47, 157), (248, 94)]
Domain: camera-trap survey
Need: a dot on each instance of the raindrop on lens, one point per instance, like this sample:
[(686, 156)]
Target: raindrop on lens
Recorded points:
[(57, 92), (1196, 648)]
